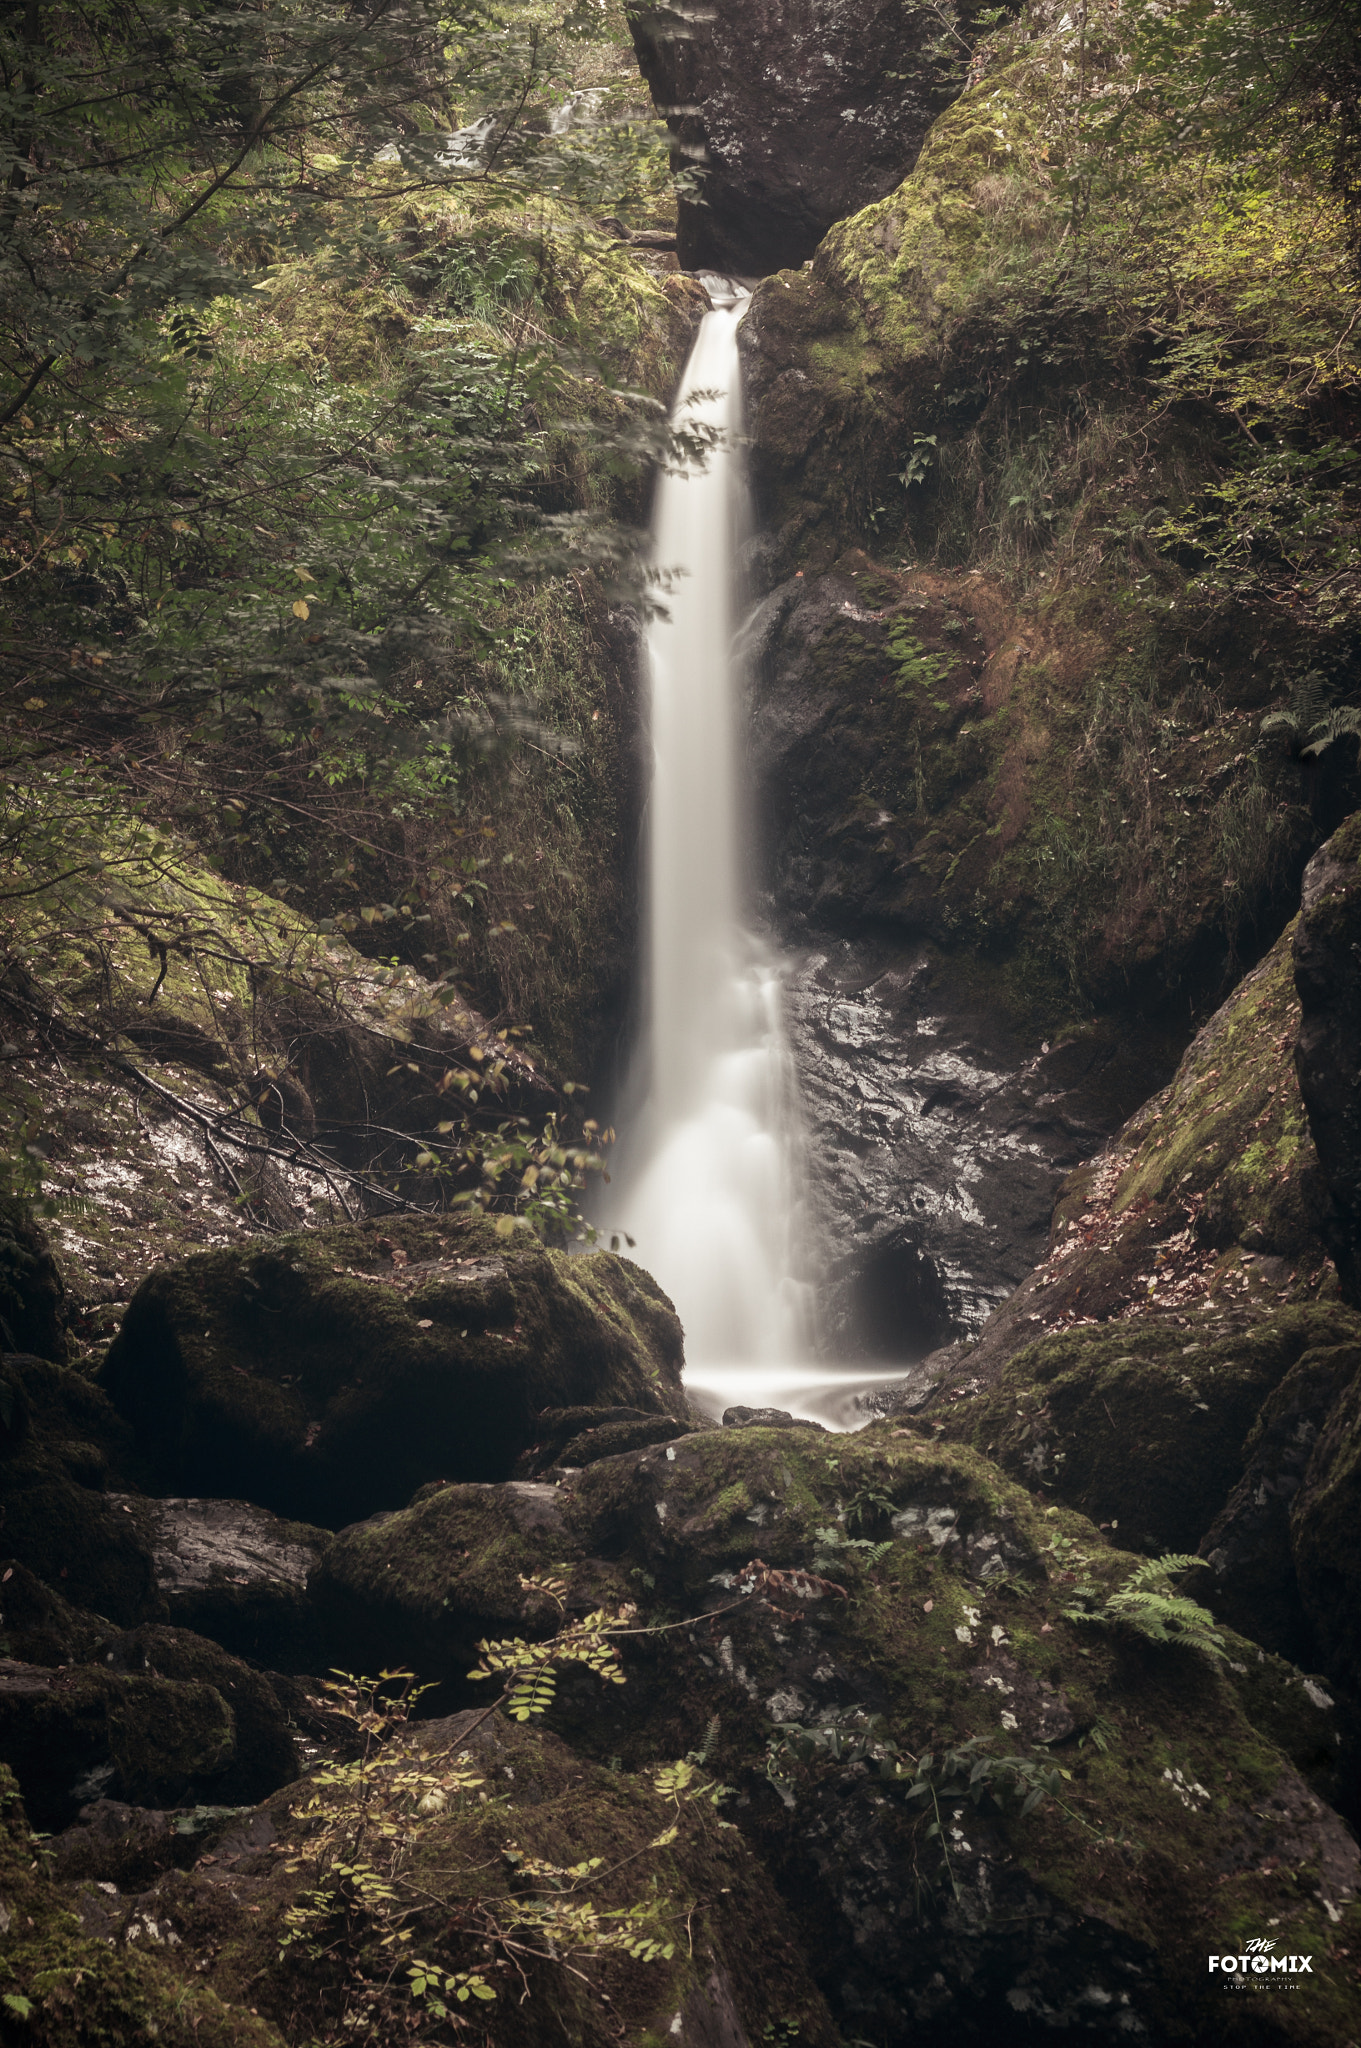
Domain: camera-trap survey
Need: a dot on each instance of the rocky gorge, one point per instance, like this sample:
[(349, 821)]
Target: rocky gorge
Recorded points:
[(390, 1648)]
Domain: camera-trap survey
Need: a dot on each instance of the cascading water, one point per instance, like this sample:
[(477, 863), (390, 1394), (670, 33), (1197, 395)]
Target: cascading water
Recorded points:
[(707, 1180)]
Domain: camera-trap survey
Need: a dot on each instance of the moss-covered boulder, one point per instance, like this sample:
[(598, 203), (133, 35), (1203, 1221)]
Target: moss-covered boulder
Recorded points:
[(1327, 959), (61, 1441), (1143, 1426), (1324, 1518), (1250, 1545), (592, 1905), (329, 1374), (841, 1607), (160, 1717)]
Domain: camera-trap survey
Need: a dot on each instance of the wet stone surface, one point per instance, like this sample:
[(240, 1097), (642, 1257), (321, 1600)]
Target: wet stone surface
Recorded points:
[(935, 1146)]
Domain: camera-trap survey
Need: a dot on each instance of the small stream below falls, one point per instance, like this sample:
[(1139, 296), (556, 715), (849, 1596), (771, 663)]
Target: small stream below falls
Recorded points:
[(709, 1181)]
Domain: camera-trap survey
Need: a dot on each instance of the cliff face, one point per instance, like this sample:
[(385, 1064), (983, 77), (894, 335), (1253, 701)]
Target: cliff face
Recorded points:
[(1014, 651), (788, 118)]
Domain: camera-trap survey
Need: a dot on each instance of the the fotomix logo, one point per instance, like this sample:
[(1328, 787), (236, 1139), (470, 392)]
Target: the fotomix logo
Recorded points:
[(1259, 1968)]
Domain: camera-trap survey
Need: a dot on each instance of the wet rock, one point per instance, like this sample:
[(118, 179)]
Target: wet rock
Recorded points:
[(1202, 1215), (936, 1145), (232, 1571), (1327, 960), (765, 1418), (572, 1437), (789, 119), (328, 1375)]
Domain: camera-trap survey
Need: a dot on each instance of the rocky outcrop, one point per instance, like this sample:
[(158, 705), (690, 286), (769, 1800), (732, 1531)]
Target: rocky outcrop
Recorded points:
[(1203, 1214), (788, 118), (991, 920), (1327, 956), (328, 1375), (823, 1661)]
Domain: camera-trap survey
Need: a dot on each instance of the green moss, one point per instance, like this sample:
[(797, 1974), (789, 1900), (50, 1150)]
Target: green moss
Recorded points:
[(325, 1378), (1141, 1426)]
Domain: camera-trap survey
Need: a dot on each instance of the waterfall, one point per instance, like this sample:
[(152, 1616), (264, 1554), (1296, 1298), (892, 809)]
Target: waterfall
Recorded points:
[(707, 1179)]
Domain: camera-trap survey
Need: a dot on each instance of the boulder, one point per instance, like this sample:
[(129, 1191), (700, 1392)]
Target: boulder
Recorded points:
[(787, 119), (1250, 1546), (578, 1436), (159, 1717), (1325, 1515), (233, 1571), (515, 1876), (1142, 1425), (835, 1615), (1201, 1216), (38, 1627), (1327, 960), (327, 1375)]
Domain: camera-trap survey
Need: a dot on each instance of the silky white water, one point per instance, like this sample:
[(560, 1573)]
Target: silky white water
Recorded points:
[(707, 1177)]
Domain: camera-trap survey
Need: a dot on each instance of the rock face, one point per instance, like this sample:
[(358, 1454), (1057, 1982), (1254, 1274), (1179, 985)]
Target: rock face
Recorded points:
[(1327, 951), (936, 1142), (330, 1374), (788, 117), (941, 839)]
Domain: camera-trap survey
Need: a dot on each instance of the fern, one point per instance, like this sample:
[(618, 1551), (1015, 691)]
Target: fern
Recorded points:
[(1311, 724), (1148, 1602)]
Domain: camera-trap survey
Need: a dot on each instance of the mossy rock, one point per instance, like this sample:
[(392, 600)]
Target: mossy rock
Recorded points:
[(160, 1717), (1203, 1215), (730, 1964), (1325, 1516), (915, 1581), (422, 1586), (1327, 963), (329, 1374), (37, 1626), (1141, 1427), (61, 1444), (60, 1987), (1250, 1547)]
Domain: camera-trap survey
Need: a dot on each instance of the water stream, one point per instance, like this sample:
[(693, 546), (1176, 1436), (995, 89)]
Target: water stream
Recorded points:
[(707, 1181)]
